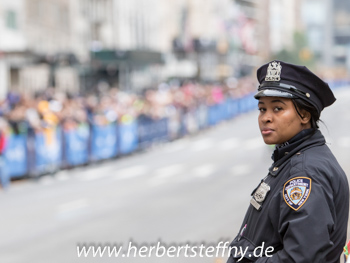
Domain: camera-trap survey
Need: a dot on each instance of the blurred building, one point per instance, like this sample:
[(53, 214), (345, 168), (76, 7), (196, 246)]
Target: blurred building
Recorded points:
[(35, 41), (12, 42), (314, 31), (50, 39), (47, 26), (248, 17), (263, 30), (196, 39), (278, 21), (122, 41), (218, 36), (201, 36), (116, 24), (135, 44), (327, 27), (284, 21), (340, 33)]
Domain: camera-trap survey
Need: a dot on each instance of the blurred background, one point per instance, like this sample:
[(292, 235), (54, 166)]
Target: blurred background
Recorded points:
[(134, 120), (78, 45)]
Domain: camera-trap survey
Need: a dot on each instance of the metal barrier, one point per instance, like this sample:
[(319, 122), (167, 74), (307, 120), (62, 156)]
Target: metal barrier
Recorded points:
[(128, 137), (54, 149), (47, 152), (151, 131), (104, 142), (15, 156), (76, 146)]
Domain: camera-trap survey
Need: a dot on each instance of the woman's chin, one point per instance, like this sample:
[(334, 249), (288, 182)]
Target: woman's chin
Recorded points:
[(268, 140)]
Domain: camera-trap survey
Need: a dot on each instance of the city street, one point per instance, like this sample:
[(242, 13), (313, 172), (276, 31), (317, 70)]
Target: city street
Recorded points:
[(193, 190)]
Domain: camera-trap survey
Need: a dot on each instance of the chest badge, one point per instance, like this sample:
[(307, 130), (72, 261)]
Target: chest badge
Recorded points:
[(260, 195), (296, 191), (261, 192)]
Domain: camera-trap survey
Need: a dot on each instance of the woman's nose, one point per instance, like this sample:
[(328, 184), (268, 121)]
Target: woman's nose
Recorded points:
[(267, 117)]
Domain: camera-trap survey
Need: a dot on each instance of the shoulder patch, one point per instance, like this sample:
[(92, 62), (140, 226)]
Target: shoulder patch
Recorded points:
[(296, 191)]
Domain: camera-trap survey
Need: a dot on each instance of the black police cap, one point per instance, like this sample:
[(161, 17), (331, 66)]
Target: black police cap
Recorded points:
[(281, 79)]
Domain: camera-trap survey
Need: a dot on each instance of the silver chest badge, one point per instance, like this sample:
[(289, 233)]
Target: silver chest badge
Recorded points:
[(273, 72), (260, 195), (261, 192)]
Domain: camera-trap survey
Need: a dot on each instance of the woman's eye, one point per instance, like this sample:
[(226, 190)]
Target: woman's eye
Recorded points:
[(277, 108), (261, 109)]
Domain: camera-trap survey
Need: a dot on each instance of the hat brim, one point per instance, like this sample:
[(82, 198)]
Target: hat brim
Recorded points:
[(274, 93)]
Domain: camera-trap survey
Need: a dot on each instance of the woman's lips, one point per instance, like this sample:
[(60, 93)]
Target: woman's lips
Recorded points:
[(266, 131)]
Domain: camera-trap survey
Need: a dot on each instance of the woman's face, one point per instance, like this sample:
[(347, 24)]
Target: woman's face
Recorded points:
[(279, 120)]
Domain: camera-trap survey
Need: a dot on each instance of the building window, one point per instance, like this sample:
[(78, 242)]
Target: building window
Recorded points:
[(11, 19)]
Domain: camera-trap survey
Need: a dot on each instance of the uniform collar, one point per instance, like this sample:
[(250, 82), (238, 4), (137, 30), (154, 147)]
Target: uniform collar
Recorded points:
[(308, 140), (285, 148)]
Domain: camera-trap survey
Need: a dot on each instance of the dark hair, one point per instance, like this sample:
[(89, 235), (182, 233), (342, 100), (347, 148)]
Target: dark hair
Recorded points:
[(301, 104)]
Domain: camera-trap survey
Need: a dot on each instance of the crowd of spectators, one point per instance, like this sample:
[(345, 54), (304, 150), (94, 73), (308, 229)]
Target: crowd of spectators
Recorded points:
[(23, 113), (51, 111)]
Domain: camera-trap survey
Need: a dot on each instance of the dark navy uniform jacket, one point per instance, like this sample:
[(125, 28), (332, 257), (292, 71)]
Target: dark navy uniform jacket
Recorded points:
[(304, 216)]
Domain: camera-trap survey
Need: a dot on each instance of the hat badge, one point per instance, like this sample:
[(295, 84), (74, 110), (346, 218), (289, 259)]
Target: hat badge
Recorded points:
[(273, 71)]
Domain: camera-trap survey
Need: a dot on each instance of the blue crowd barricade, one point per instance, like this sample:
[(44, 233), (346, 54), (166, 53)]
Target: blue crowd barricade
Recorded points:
[(16, 156), (247, 103), (150, 131), (213, 115), (104, 142), (48, 151), (225, 110), (38, 153), (217, 113), (252, 103), (127, 137), (222, 111), (232, 108), (76, 150), (242, 105)]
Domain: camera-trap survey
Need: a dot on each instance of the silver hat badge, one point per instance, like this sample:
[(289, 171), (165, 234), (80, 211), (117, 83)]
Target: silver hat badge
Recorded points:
[(273, 72)]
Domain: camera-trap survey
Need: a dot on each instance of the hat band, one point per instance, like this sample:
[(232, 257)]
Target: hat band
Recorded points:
[(274, 93), (290, 88)]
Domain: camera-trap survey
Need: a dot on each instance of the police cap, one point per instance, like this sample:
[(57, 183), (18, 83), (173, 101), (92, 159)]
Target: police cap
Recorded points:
[(280, 79)]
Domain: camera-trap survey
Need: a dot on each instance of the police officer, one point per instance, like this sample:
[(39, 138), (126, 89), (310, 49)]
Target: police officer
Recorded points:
[(300, 209)]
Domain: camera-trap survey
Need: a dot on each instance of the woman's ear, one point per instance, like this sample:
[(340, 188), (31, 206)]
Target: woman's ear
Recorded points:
[(306, 117)]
